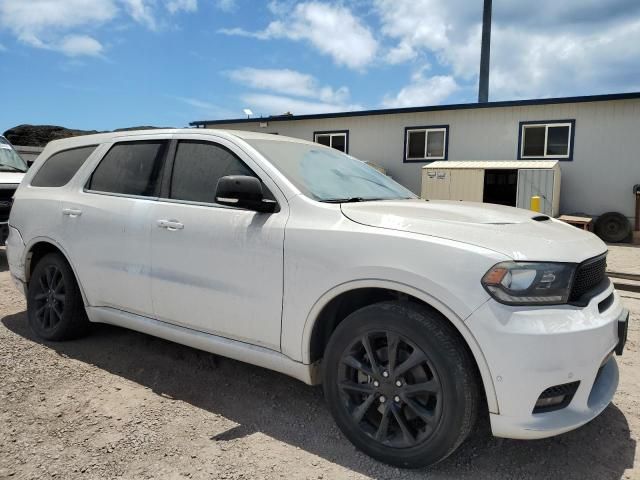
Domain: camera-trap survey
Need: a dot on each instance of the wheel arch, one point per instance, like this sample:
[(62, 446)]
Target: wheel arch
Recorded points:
[(40, 246), (336, 304)]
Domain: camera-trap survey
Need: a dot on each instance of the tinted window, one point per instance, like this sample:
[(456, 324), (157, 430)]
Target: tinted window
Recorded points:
[(558, 140), (534, 141), (132, 168), (198, 167), (324, 140), (416, 144), (339, 142), (60, 167), (435, 144)]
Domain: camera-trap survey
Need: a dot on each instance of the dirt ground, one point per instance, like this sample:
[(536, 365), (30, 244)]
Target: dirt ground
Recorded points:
[(120, 404)]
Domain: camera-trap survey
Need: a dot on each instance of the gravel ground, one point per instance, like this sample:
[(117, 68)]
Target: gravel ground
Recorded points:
[(119, 404)]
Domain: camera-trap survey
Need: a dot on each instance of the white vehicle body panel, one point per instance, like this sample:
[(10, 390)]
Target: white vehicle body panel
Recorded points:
[(11, 178), (9, 181), (253, 286)]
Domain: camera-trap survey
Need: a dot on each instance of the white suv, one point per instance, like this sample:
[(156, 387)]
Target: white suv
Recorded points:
[(12, 169), (286, 254)]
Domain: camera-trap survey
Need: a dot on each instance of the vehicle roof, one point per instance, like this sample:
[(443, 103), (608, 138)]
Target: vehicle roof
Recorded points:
[(97, 138)]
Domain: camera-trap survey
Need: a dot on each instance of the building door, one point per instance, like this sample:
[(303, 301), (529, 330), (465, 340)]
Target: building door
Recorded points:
[(536, 182)]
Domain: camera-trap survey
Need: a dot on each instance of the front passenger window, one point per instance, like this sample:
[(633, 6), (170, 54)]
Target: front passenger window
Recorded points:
[(197, 168)]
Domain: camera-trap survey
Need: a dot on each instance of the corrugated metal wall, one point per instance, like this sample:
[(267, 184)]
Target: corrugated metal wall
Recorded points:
[(606, 160), (536, 183)]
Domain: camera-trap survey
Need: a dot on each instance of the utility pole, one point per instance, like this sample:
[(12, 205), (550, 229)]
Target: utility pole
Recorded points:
[(485, 53)]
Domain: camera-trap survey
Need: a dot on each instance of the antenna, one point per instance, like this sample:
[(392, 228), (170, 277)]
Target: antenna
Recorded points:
[(247, 112)]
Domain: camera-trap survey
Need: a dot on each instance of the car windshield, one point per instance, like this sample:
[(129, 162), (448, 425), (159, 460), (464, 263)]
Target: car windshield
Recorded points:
[(9, 158), (328, 175)]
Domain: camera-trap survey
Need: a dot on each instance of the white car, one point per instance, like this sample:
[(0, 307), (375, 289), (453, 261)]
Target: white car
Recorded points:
[(12, 169), (414, 315)]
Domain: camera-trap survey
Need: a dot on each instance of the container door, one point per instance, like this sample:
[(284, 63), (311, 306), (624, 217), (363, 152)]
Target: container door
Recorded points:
[(536, 182), (436, 184), (467, 185)]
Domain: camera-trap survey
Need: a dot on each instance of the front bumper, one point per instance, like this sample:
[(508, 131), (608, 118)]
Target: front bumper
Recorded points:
[(531, 349)]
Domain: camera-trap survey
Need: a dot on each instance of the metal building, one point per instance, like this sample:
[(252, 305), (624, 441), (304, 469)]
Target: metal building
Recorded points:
[(596, 139)]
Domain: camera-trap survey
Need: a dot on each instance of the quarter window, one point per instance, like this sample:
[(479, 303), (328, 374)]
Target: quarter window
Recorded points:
[(197, 168), (338, 140), (546, 140), (60, 167), (426, 143), (130, 168)]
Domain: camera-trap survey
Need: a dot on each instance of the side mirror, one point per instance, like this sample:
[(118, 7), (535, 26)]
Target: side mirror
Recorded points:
[(243, 191)]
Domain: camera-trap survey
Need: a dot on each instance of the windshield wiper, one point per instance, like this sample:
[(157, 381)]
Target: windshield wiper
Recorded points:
[(12, 168), (350, 200)]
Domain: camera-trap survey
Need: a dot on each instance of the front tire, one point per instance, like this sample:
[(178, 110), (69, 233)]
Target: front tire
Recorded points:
[(400, 383), (55, 307)]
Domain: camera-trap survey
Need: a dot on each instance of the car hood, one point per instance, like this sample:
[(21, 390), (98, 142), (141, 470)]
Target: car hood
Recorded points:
[(511, 231), (11, 178)]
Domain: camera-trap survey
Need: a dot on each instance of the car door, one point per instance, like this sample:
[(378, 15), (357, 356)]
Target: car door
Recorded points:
[(107, 225), (217, 269)]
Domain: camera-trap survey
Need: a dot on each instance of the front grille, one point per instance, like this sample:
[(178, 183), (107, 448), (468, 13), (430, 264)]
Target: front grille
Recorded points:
[(589, 275), (6, 199)]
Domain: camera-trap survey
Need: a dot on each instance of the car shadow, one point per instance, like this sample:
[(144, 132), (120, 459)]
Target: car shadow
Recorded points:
[(285, 409)]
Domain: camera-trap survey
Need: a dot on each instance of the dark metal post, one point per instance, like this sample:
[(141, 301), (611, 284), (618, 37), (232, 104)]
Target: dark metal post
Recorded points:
[(485, 54)]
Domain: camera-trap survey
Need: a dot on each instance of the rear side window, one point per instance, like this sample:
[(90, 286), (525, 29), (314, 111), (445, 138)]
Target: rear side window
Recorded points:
[(197, 168), (60, 167), (130, 168)]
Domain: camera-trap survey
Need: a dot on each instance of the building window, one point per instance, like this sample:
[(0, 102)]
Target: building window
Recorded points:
[(547, 139), (338, 139), (424, 144)]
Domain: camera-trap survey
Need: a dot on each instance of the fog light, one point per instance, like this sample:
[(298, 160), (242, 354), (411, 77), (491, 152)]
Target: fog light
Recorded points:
[(556, 397), (550, 402)]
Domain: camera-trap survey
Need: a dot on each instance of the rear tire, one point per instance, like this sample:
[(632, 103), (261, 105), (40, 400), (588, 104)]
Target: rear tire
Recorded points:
[(54, 304), (411, 408)]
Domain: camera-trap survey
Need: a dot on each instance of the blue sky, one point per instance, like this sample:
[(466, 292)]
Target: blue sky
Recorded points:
[(104, 64)]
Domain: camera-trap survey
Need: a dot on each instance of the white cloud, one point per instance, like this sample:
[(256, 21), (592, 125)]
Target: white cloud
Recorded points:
[(423, 91), (267, 104), (34, 22), (77, 45), (289, 82), (195, 102), (299, 93), (225, 5), (332, 29), (543, 48), (175, 6), (46, 23), (141, 11), (69, 26), (566, 64)]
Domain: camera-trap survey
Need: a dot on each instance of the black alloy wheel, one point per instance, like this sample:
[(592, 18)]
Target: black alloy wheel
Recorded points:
[(49, 298), (401, 383), (390, 389), (55, 307)]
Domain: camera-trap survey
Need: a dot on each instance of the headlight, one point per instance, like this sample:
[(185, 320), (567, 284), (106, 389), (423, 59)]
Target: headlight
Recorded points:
[(529, 283)]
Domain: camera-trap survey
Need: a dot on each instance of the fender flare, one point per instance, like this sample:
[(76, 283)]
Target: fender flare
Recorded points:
[(456, 321), (26, 261)]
